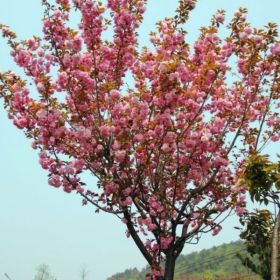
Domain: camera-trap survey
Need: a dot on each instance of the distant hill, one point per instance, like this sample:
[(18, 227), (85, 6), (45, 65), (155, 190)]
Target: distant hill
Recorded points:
[(219, 262)]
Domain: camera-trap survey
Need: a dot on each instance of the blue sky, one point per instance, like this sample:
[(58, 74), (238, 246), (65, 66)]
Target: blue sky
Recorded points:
[(40, 224)]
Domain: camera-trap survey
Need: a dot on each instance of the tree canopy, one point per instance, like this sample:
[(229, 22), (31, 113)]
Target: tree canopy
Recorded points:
[(167, 150)]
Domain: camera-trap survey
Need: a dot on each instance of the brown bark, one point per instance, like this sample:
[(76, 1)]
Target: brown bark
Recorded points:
[(169, 268), (275, 250), (136, 238)]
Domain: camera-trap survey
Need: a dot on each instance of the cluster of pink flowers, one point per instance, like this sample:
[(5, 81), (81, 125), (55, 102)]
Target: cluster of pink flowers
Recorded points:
[(167, 151)]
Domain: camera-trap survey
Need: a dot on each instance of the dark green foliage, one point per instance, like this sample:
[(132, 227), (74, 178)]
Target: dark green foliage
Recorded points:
[(129, 274), (217, 261), (257, 236), (262, 179)]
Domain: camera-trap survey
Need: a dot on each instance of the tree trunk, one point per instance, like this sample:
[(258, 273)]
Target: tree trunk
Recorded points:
[(275, 251), (169, 268)]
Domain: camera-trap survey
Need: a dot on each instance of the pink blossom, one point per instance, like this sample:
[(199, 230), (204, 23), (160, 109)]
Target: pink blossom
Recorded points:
[(77, 44), (41, 114), (239, 211), (6, 30), (62, 79), (67, 188), (41, 88), (148, 223), (206, 137), (21, 122), (21, 57), (105, 131), (115, 94), (247, 30), (165, 148), (138, 138), (64, 2), (99, 148), (237, 13), (111, 188), (189, 2), (220, 18), (79, 189), (216, 230), (45, 161), (275, 138), (78, 164), (165, 242), (120, 155), (275, 50), (55, 181)]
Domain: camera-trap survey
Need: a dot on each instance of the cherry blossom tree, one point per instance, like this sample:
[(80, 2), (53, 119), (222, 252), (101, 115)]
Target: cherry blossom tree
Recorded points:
[(167, 148)]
